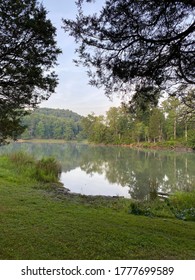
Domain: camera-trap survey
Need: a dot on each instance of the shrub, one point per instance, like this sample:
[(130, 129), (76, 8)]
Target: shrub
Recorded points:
[(186, 214), (155, 208), (182, 204), (139, 208), (191, 139)]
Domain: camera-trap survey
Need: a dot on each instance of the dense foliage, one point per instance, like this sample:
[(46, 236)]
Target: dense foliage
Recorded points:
[(167, 122), (27, 55), (45, 123), (144, 44)]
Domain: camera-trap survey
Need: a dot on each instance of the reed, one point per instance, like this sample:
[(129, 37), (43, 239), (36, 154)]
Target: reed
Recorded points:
[(44, 170), (47, 170)]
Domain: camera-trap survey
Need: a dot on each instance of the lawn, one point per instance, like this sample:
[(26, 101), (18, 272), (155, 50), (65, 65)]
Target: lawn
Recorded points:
[(37, 222)]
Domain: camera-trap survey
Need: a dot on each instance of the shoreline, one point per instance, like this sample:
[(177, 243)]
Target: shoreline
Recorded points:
[(160, 146)]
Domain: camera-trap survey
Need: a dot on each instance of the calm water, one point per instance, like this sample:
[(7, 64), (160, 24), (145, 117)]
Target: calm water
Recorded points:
[(94, 170)]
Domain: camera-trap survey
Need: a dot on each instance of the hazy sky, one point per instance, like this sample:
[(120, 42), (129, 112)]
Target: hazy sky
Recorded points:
[(73, 91)]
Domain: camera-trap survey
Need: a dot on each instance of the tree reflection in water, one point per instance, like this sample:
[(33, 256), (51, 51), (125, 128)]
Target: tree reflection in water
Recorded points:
[(144, 172)]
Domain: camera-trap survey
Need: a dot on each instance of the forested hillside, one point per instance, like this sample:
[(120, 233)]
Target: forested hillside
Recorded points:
[(46, 123)]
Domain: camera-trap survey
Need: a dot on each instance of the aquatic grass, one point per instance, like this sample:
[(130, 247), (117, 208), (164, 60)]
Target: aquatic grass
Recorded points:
[(21, 158), (44, 170), (47, 170)]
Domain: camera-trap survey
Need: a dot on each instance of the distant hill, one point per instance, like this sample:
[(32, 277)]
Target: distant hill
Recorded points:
[(59, 113), (47, 123)]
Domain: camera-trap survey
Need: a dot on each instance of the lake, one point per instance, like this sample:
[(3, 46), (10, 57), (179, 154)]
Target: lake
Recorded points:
[(116, 171)]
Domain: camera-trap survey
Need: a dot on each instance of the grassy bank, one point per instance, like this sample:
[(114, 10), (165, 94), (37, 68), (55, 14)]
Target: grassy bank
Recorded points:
[(165, 145), (37, 221)]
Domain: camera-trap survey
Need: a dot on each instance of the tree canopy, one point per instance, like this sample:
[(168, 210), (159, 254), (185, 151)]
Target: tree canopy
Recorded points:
[(132, 45), (165, 124), (27, 55)]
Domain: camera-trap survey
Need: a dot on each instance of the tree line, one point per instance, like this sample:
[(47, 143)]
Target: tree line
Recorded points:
[(166, 122)]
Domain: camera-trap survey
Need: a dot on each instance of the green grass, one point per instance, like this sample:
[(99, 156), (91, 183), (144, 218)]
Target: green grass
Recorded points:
[(37, 222)]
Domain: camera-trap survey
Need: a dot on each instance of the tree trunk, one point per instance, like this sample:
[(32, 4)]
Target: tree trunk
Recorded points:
[(175, 129), (186, 132)]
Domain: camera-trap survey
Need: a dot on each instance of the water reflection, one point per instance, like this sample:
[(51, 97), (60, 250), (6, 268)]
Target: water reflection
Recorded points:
[(117, 170)]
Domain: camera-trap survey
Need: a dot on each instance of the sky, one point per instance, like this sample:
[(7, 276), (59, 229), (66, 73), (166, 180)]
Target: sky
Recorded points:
[(73, 91)]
